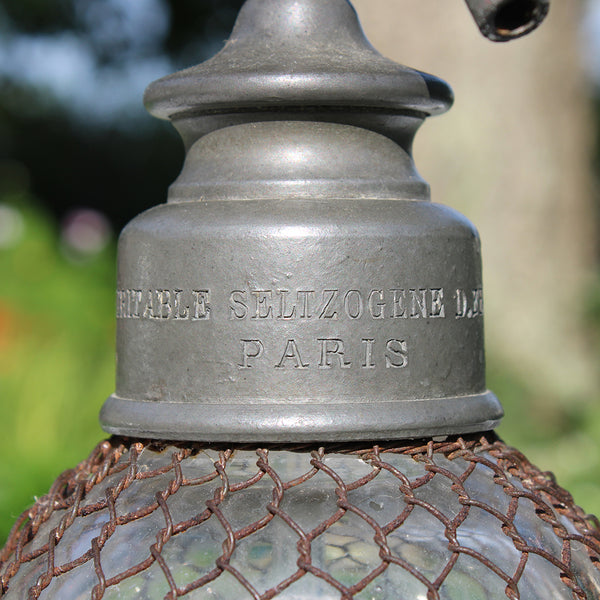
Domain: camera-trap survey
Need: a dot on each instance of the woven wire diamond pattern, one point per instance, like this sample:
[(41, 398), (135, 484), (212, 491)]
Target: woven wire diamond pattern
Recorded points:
[(465, 518)]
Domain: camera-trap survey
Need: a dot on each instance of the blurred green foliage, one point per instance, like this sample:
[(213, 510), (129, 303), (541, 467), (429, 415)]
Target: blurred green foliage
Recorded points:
[(56, 357), (57, 367), (557, 434)]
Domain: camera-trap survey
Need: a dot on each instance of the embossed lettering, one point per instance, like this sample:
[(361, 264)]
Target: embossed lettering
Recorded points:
[(418, 304), (376, 308), (164, 304), (263, 307), (398, 304), (291, 352), (368, 355), (461, 304), (437, 304), (396, 356), (477, 296), (251, 349), (133, 304), (293, 305), (331, 347), (121, 304), (326, 312), (238, 309), (334, 353), (303, 302), (333, 304), (148, 312), (201, 306), (469, 305), (180, 309), (285, 312), (353, 304)]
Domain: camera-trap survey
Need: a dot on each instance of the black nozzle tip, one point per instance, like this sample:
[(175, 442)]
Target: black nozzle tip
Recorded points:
[(504, 20)]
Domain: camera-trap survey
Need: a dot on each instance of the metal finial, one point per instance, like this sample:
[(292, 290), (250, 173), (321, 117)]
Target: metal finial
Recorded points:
[(294, 54)]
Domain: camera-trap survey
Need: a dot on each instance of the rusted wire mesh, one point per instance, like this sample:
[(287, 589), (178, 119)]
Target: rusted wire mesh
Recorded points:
[(465, 518)]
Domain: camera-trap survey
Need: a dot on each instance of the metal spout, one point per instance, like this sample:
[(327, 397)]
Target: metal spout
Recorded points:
[(505, 20)]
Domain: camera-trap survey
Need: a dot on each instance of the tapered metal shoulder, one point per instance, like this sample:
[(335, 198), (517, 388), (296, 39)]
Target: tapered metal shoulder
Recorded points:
[(297, 53)]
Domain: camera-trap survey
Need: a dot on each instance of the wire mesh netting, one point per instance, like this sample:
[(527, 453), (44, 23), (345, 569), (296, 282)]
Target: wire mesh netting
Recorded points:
[(466, 518)]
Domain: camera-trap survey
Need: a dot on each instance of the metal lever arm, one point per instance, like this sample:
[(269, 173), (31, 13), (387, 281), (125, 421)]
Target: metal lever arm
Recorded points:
[(504, 20)]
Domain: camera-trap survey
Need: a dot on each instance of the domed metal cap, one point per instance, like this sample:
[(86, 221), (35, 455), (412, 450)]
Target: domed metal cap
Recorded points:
[(297, 53), (298, 285)]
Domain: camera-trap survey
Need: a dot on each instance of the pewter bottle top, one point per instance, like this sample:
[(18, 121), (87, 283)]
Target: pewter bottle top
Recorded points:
[(298, 285)]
